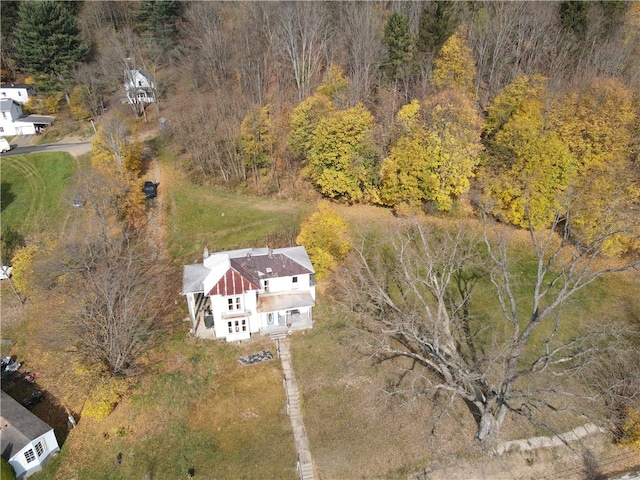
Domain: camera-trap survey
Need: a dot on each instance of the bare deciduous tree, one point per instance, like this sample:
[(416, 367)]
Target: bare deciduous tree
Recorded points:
[(300, 35), (417, 295), (361, 26), (123, 290)]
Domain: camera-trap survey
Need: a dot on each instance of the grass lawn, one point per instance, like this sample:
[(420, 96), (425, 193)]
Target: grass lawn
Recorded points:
[(35, 194), (200, 216), (196, 409)]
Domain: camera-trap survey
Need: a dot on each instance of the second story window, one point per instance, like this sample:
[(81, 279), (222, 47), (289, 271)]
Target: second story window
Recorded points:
[(294, 283), (266, 285), (234, 304)]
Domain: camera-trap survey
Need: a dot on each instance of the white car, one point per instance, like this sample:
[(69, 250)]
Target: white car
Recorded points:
[(5, 272), (4, 145)]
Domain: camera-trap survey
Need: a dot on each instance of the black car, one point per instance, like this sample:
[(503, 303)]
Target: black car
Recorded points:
[(33, 400), (150, 189)]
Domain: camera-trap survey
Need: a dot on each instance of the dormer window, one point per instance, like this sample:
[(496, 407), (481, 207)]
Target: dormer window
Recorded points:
[(294, 283)]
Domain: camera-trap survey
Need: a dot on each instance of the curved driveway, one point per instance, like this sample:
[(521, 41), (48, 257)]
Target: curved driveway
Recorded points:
[(74, 149)]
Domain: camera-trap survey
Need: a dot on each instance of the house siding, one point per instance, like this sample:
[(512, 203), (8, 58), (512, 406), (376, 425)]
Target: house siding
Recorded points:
[(270, 300)]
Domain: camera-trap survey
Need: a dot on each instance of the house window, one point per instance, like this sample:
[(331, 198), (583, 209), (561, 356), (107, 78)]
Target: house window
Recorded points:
[(1, 129), (234, 303), (19, 94), (39, 449), (294, 281), (29, 456), (266, 285), (237, 326), (4, 115)]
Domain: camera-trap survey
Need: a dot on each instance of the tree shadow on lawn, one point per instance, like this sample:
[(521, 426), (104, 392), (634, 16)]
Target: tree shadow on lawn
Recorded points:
[(6, 195)]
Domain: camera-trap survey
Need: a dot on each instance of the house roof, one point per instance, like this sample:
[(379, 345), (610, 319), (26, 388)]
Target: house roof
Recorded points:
[(41, 119), (233, 283), (272, 302), (18, 427), (237, 271), (16, 85), (193, 278), (6, 104)]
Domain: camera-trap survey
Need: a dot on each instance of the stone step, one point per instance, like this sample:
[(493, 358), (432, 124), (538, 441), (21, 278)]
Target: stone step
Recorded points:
[(306, 471)]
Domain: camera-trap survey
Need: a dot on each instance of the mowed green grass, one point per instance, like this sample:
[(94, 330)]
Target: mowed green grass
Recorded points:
[(35, 195)]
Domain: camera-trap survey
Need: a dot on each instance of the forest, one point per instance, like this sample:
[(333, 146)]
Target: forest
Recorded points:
[(513, 128)]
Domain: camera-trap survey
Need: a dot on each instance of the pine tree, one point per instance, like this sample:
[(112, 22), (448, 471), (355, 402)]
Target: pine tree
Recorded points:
[(400, 47), (48, 39)]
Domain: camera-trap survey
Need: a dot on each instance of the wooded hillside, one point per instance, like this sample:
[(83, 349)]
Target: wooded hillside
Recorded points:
[(528, 107)]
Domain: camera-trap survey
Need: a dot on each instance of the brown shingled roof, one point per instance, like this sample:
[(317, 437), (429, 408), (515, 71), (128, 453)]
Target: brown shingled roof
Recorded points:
[(275, 265)]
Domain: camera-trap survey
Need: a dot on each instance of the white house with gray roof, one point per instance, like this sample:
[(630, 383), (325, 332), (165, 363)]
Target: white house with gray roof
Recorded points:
[(27, 442), (13, 122), (236, 293), (18, 92)]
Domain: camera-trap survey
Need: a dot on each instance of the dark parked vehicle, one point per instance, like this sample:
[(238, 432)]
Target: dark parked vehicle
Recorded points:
[(33, 400), (150, 189)]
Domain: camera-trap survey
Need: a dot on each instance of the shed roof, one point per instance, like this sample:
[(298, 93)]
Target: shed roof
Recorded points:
[(41, 119), (18, 427)]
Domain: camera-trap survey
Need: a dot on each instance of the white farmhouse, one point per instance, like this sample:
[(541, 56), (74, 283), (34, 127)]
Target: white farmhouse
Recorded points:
[(139, 87), (27, 442), (18, 92), (236, 293), (13, 122)]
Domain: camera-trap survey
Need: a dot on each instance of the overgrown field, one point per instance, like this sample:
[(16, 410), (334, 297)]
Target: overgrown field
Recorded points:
[(199, 216)]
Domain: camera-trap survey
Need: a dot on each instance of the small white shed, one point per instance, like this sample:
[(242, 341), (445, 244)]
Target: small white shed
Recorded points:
[(27, 442)]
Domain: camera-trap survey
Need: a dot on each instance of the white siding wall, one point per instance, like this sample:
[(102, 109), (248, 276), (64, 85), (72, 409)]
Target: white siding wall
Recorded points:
[(19, 461), (20, 95), (285, 284)]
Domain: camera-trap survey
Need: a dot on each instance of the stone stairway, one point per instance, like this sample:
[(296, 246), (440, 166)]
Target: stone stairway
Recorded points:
[(304, 462)]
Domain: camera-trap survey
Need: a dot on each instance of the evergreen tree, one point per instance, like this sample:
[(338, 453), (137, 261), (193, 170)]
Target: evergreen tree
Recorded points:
[(400, 47), (48, 40), (158, 22), (438, 21)]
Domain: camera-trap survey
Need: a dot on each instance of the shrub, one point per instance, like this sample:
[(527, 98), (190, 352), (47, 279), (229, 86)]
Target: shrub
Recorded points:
[(104, 397)]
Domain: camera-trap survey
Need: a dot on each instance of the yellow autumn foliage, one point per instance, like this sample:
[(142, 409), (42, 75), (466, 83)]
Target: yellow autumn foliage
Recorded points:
[(104, 397), (22, 273), (631, 430), (325, 237)]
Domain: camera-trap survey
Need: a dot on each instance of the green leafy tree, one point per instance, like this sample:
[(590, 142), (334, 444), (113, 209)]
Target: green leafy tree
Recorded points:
[(342, 161), (400, 47), (325, 236), (48, 40), (11, 241)]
